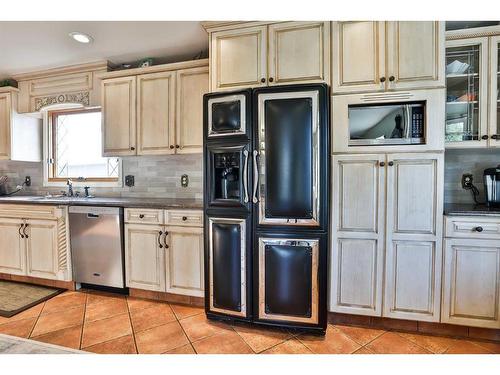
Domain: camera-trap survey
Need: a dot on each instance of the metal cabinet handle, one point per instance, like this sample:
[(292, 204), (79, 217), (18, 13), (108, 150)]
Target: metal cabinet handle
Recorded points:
[(382, 79), (392, 78), (245, 175), (184, 218), (495, 136), (382, 164), (19, 231), (141, 216), (484, 137), (391, 163), (159, 240), (263, 80), (165, 240), (255, 176), (24, 230), (271, 79), (478, 229)]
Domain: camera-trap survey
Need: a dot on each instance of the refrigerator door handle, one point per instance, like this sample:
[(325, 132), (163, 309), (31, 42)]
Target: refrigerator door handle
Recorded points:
[(255, 176), (245, 176)]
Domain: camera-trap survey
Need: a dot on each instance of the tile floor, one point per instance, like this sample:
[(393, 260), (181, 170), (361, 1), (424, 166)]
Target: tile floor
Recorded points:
[(107, 323)]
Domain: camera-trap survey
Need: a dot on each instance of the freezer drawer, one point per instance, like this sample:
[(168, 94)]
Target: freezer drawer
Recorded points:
[(97, 245)]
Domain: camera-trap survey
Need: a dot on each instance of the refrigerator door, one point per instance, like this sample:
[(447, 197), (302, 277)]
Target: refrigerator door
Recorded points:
[(228, 240), (287, 160), (288, 289)]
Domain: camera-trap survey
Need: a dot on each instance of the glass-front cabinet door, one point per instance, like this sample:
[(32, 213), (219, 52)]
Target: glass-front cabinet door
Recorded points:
[(466, 93), (494, 93)]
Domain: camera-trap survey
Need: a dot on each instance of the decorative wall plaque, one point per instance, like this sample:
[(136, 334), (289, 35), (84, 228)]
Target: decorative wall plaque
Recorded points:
[(82, 97)]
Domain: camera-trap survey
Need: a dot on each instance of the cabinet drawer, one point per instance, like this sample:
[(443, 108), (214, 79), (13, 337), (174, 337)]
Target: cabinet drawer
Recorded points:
[(189, 218), (143, 216), (31, 211), (472, 227)]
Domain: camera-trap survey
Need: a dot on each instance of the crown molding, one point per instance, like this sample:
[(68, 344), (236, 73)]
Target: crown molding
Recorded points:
[(77, 68)]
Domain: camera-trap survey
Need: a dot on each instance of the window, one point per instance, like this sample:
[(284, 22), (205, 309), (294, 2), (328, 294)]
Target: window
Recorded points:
[(76, 147)]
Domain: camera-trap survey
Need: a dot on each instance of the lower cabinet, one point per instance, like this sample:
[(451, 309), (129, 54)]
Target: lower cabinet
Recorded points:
[(471, 291), (164, 258), (12, 247), (41, 248)]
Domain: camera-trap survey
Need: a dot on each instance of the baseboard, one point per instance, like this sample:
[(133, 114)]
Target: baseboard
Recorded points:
[(438, 329), (69, 285), (167, 297)]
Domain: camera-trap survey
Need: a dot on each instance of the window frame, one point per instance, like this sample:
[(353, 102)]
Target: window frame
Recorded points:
[(50, 153)]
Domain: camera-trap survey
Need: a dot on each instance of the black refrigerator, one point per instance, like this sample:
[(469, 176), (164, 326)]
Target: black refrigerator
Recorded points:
[(266, 202)]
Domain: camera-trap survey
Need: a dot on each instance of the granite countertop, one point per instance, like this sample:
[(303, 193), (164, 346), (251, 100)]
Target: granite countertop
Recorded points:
[(465, 209), (166, 203)]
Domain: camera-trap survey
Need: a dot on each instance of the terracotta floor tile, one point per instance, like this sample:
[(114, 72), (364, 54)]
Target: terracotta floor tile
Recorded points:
[(63, 303), (186, 349), (434, 344), (95, 296), (105, 329), (32, 312), (466, 347), (363, 350), (19, 328), (259, 338), (334, 342), (68, 337), (361, 335), (228, 342), (161, 339), (493, 347), (392, 343), (158, 315), (184, 311), (58, 320), (198, 327), (105, 309), (139, 303), (292, 346), (121, 345)]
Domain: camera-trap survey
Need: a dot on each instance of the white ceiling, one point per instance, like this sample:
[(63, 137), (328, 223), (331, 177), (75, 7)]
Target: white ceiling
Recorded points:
[(29, 46)]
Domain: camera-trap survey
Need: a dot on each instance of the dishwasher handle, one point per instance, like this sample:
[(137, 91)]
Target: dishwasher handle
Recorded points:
[(92, 216)]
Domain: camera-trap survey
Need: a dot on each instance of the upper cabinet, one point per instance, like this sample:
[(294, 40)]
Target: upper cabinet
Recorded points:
[(379, 56), (271, 54), (154, 111), (494, 128)]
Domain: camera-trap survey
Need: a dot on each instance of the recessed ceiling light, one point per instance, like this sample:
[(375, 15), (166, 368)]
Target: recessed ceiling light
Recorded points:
[(81, 37)]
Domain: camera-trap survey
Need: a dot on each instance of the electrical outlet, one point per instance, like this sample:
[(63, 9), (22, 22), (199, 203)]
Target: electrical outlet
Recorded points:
[(27, 180), (129, 180), (184, 180), (467, 180)]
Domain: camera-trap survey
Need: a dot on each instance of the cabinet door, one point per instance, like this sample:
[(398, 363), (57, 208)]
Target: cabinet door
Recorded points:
[(118, 116), (413, 236), (358, 56), (299, 52), (494, 72), (415, 54), (192, 84), (155, 113), (184, 261), (12, 247), (144, 257), (5, 119), (356, 272), (238, 58), (471, 283), (42, 248)]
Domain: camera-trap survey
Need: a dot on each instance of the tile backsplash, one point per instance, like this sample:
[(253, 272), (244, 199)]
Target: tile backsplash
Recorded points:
[(458, 162), (155, 176)]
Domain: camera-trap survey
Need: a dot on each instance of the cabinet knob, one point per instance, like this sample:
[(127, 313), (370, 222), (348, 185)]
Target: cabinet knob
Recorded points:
[(382, 164), (184, 218), (271, 79), (382, 79), (141, 216), (478, 229), (177, 146), (485, 137), (171, 146), (263, 80), (132, 148), (392, 78), (494, 136), (391, 163)]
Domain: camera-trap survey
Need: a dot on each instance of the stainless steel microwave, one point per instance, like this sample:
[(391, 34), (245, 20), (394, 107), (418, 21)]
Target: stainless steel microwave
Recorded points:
[(394, 123)]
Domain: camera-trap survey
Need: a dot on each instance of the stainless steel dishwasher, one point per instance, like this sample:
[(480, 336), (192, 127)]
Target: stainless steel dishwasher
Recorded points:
[(97, 245)]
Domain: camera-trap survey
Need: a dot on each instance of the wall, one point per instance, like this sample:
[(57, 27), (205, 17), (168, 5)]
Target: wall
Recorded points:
[(458, 162), (155, 176)]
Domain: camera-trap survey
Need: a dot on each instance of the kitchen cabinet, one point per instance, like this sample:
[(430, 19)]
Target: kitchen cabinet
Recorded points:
[(471, 291), (378, 56), (35, 242), (118, 116), (272, 54), (164, 257), (494, 126), (386, 216), (154, 111)]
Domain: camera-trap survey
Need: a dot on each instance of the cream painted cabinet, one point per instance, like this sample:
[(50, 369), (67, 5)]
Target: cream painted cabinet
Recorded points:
[(471, 291), (12, 247), (274, 54), (184, 261), (5, 118), (155, 113), (357, 259), (42, 257), (387, 207), (118, 116), (192, 84), (379, 56)]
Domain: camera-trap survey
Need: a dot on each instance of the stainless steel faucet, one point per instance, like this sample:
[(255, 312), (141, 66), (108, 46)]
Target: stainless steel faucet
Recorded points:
[(69, 182)]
